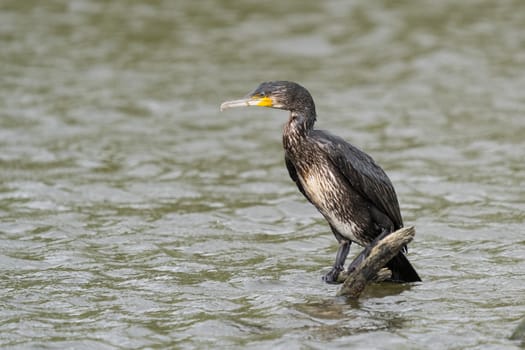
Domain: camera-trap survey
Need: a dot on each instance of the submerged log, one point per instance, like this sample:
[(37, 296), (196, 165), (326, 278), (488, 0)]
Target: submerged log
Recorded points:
[(373, 259)]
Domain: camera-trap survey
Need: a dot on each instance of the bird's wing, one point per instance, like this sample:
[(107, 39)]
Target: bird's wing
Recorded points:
[(293, 175), (363, 174)]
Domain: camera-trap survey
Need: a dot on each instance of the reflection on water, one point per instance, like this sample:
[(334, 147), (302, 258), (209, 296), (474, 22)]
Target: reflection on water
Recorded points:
[(135, 215)]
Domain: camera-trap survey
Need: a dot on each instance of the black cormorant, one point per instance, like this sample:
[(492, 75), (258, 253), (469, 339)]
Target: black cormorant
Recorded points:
[(352, 192)]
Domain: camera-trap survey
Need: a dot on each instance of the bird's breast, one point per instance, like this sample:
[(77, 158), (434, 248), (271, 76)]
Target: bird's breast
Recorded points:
[(331, 196), (322, 185), (318, 186)]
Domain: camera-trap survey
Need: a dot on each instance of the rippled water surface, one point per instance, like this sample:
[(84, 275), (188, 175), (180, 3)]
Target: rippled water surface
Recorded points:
[(133, 214)]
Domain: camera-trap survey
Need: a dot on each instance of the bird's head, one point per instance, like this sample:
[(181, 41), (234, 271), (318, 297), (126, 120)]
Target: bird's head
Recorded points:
[(285, 95)]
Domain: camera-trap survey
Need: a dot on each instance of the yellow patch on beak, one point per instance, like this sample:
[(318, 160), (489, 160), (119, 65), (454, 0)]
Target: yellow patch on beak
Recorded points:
[(265, 102)]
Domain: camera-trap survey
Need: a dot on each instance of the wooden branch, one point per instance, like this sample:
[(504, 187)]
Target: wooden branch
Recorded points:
[(371, 268)]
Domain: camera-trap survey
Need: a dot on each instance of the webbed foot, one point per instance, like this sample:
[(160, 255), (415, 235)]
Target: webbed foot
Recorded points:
[(332, 275)]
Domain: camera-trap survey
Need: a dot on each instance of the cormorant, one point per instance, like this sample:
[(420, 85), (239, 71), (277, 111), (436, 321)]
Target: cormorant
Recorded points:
[(345, 184)]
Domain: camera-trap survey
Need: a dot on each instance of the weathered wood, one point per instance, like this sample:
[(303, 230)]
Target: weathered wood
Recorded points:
[(371, 268)]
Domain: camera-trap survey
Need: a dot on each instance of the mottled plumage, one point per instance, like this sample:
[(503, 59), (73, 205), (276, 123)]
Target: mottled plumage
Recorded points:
[(348, 188)]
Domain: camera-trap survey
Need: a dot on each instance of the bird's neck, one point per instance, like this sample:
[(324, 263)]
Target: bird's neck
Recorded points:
[(297, 129)]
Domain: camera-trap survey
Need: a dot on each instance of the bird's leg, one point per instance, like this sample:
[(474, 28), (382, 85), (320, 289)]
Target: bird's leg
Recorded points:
[(340, 258), (359, 259)]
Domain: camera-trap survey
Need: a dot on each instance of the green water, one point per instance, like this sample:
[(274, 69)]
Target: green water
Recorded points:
[(135, 215)]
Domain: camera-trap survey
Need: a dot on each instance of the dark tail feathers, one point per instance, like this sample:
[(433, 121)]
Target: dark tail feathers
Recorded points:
[(402, 270)]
